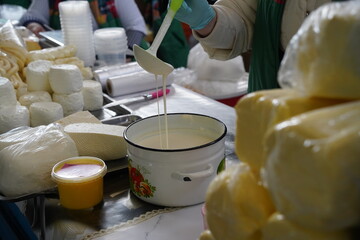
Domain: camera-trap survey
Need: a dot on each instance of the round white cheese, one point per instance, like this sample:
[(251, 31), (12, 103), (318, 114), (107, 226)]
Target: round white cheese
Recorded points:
[(65, 78), (37, 75), (92, 94), (43, 113), (7, 93), (71, 103), (39, 96), (12, 117)]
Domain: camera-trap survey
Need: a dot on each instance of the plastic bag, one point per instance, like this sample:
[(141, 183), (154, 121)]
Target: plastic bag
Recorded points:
[(212, 69), (28, 157), (323, 57)]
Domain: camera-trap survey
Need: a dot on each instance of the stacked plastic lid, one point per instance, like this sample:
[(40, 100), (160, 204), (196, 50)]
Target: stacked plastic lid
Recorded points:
[(111, 45), (76, 26)]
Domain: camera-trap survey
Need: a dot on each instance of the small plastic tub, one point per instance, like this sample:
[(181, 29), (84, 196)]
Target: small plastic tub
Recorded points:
[(80, 181)]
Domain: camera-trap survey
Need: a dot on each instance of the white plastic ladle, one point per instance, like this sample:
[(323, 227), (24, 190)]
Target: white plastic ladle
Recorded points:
[(147, 58)]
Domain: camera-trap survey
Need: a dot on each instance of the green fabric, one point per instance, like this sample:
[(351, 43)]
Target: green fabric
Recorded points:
[(174, 48), (266, 54), (22, 3), (112, 18)]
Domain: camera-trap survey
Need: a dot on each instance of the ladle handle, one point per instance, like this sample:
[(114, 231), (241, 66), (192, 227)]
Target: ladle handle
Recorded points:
[(162, 31)]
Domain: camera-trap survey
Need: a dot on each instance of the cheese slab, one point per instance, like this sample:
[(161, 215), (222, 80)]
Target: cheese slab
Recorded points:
[(78, 117), (98, 140), (312, 168), (259, 111)]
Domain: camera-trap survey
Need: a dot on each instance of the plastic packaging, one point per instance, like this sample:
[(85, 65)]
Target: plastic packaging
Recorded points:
[(323, 57), (29, 154), (79, 181), (134, 82)]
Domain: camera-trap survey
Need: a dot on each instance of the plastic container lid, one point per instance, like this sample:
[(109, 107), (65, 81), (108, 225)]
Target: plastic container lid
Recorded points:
[(78, 169)]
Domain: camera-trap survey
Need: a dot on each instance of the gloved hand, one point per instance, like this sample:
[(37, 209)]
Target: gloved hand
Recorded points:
[(196, 13)]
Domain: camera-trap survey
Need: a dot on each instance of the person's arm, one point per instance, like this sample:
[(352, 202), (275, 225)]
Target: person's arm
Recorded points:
[(36, 16), (132, 21), (224, 29)]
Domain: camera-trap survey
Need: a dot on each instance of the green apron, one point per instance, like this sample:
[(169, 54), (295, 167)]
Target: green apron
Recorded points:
[(22, 3), (266, 54)]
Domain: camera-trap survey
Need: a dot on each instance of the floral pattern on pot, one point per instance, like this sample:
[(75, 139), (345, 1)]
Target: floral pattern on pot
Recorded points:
[(138, 184)]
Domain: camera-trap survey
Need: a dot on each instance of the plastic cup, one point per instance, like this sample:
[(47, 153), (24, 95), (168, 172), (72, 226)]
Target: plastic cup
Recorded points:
[(111, 45), (79, 181)]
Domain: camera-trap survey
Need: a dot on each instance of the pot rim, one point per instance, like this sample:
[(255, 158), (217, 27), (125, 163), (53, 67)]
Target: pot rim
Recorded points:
[(181, 149)]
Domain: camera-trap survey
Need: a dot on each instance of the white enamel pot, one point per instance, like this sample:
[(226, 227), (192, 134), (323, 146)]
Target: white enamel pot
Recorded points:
[(175, 176)]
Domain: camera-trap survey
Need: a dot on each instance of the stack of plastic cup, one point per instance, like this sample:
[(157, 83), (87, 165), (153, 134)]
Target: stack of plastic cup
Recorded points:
[(110, 45), (76, 26)]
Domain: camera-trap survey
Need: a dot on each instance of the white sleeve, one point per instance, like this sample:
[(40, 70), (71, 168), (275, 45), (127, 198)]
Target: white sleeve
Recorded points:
[(130, 15)]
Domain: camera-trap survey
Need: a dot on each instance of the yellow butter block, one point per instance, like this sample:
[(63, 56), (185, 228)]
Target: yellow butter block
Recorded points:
[(259, 111), (279, 228), (312, 168), (237, 205)]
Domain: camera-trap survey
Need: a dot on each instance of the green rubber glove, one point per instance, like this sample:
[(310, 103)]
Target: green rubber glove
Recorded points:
[(196, 13)]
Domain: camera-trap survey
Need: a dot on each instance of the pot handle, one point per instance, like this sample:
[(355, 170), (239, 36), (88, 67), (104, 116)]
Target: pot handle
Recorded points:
[(187, 177)]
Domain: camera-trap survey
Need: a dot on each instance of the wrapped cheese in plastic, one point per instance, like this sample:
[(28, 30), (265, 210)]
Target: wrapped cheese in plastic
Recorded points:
[(259, 111), (312, 168), (25, 166), (279, 228), (12, 44), (237, 205), (323, 57)]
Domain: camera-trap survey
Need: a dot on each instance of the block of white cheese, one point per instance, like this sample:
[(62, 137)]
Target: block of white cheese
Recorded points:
[(38, 96), (323, 57), (236, 204), (43, 113), (65, 79), (312, 168), (71, 103), (25, 167), (279, 228), (98, 140), (92, 94), (37, 76), (259, 111), (7, 93), (79, 117), (13, 116)]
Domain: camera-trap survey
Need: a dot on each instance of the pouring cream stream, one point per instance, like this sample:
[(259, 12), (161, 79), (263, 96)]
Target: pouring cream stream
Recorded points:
[(148, 60)]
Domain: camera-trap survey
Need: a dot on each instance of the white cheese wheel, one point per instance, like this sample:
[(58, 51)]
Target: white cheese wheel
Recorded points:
[(65, 78), (43, 113), (7, 93), (92, 94), (99, 140), (25, 167), (13, 116), (71, 103), (37, 76), (39, 96)]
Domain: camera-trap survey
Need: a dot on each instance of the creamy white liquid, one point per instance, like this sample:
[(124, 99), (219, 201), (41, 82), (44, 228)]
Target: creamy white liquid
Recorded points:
[(161, 135), (177, 139)]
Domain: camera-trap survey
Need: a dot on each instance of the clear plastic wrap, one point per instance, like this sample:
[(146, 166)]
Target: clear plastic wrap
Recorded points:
[(323, 57), (27, 156)]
